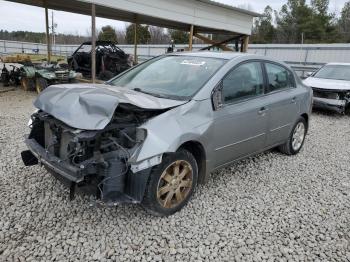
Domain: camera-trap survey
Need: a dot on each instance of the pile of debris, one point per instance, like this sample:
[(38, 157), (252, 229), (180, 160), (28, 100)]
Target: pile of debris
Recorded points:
[(34, 76), (110, 60), (20, 70)]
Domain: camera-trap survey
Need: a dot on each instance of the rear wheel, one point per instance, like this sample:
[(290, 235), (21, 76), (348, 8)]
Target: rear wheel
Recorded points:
[(106, 75), (40, 84), (296, 138), (171, 184)]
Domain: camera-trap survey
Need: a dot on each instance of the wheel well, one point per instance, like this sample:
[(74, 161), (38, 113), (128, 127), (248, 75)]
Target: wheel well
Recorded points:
[(306, 117), (197, 150)]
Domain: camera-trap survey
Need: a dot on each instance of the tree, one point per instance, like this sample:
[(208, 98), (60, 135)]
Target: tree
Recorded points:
[(296, 18), (121, 36), (263, 30), (143, 34), (344, 23), (158, 35), (324, 21), (179, 37), (293, 20), (108, 33)]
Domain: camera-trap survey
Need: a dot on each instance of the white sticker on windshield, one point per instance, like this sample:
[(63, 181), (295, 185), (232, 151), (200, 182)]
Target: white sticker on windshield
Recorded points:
[(193, 63)]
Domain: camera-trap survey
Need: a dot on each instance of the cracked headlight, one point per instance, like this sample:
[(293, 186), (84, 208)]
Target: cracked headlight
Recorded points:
[(30, 122)]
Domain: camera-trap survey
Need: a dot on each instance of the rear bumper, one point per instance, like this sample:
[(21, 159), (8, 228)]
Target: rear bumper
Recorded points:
[(330, 104)]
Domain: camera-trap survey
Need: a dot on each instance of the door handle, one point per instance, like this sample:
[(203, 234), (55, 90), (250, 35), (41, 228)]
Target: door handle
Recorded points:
[(294, 100), (262, 111)]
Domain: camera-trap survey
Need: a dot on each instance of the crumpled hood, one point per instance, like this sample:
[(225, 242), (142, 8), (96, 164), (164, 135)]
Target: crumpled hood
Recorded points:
[(91, 106), (327, 83)]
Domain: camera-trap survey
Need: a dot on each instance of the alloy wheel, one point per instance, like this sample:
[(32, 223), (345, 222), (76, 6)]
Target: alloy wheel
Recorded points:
[(175, 184), (298, 136)]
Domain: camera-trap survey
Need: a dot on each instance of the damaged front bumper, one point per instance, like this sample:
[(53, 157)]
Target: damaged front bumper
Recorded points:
[(333, 100), (130, 190), (336, 105), (44, 157)]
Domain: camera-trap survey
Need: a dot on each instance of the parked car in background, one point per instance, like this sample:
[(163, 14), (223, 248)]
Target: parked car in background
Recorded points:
[(110, 60), (153, 133), (331, 87)]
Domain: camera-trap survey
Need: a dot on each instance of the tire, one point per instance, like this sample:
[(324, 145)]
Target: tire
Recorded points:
[(176, 193), (27, 84), (73, 81), (40, 84), (292, 149), (106, 75)]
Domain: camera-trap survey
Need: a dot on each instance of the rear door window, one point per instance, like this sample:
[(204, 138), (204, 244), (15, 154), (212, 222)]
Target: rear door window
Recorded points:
[(278, 77)]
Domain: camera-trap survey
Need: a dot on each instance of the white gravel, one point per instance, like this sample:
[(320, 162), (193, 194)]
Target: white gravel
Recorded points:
[(270, 207)]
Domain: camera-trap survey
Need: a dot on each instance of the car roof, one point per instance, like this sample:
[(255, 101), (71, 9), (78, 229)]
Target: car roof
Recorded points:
[(345, 64), (211, 54), (228, 55)]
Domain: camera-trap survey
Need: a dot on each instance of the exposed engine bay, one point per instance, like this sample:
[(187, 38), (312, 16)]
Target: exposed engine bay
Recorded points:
[(95, 161)]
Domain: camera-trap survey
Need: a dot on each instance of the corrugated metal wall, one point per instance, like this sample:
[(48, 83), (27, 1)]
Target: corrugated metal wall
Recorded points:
[(293, 54)]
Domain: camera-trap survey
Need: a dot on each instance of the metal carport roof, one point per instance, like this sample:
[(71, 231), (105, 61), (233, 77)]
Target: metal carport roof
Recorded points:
[(196, 16), (207, 16)]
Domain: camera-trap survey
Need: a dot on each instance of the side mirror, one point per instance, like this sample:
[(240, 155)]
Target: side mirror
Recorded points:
[(216, 97)]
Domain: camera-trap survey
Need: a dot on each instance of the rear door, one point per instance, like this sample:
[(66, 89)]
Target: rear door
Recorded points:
[(284, 102), (240, 126)]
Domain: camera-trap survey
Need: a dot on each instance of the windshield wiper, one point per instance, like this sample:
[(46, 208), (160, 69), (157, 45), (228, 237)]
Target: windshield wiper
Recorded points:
[(148, 93)]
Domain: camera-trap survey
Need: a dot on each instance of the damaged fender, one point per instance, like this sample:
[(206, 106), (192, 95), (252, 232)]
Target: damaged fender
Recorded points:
[(190, 122)]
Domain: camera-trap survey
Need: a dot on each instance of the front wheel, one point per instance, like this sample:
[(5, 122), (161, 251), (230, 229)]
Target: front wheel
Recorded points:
[(40, 84), (171, 184), (296, 138)]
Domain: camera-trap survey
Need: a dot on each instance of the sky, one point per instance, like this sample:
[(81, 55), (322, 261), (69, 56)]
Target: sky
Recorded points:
[(27, 18)]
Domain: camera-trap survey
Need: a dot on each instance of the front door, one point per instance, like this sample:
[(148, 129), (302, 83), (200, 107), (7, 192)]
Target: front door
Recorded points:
[(240, 126)]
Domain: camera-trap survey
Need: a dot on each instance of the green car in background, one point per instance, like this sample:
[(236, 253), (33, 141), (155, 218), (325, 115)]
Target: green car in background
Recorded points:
[(42, 76)]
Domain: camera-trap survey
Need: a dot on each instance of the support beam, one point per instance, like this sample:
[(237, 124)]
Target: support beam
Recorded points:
[(190, 42), (93, 43), (242, 44), (212, 42), (135, 43), (246, 43), (48, 42), (222, 43), (237, 45)]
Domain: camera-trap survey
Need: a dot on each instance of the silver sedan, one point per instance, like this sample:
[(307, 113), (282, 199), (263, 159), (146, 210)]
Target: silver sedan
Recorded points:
[(331, 86), (156, 131)]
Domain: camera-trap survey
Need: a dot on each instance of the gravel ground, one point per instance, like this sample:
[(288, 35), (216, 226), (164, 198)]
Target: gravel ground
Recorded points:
[(270, 207)]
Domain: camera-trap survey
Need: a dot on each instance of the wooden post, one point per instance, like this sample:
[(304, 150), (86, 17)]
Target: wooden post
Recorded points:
[(135, 43), (237, 45), (48, 42), (190, 42), (93, 43), (246, 43)]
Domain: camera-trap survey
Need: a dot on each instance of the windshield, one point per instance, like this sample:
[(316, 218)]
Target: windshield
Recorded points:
[(336, 72), (173, 77)]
